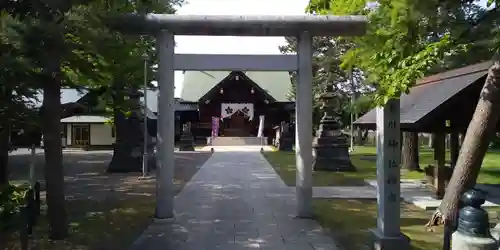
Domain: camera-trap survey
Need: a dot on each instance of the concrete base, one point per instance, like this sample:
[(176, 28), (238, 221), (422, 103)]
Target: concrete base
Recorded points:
[(460, 241), (145, 178), (381, 242), (286, 143), (186, 142), (332, 158), (186, 147), (164, 221)]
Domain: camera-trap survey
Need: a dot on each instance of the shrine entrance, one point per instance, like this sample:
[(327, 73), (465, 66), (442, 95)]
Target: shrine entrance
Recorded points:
[(237, 119), (303, 28), (237, 125)]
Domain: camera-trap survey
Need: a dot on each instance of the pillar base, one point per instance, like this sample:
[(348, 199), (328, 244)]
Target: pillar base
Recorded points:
[(286, 143), (164, 217), (382, 242), (304, 202), (166, 221), (186, 148), (462, 241)]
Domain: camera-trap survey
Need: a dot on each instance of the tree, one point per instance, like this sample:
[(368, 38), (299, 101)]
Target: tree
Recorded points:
[(481, 128), (410, 151), (16, 92), (62, 52), (327, 53), (407, 40), (123, 56)]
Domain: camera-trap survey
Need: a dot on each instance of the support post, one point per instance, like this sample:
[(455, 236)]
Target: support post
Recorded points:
[(387, 235), (303, 128), (439, 169), (166, 128), (145, 121)]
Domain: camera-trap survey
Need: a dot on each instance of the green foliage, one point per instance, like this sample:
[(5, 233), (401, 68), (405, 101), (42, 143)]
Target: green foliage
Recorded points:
[(11, 199), (327, 55), (406, 40)]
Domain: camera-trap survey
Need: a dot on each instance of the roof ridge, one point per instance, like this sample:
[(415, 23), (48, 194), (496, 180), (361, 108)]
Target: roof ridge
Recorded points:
[(453, 73), (208, 74)]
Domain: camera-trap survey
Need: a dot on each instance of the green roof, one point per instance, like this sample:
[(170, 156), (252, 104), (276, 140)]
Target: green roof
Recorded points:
[(197, 83)]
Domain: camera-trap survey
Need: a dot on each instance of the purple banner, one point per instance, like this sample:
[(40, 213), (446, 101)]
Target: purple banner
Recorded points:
[(215, 126)]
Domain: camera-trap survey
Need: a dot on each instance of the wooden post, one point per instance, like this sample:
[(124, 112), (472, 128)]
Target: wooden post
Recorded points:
[(439, 157), (454, 148)]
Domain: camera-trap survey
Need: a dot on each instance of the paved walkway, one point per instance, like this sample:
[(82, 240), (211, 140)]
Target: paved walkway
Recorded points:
[(235, 201)]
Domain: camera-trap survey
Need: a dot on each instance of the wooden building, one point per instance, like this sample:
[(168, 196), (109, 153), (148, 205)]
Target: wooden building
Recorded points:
[(440, 104), (443, 102), (238, 99)]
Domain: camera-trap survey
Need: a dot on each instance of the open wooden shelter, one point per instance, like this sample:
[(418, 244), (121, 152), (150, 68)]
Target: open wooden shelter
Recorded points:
[(439, 104)]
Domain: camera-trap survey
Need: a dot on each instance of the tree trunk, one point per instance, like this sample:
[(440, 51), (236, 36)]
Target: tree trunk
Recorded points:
[(128, 134), (5, 130), (454, 148), (4, 152), (364, 137), (54, 171), (359, 136), (409, 152), (481, 129)]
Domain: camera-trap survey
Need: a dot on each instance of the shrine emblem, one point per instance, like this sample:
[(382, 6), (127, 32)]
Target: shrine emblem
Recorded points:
[(229, 110), (245, 110)]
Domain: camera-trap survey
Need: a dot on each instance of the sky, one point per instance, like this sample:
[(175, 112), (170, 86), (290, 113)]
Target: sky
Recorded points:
[(228, 44), (235, 45)]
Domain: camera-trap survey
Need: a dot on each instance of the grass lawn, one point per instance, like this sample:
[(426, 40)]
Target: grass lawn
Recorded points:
[(107, 211), (364, 160), (358, 216)]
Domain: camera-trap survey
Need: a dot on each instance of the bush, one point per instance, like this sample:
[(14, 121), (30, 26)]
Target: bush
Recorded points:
[(495, 141), (11, 199)]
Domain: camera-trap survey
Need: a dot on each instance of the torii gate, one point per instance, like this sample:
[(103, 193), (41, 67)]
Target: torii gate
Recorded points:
[(304, 27)]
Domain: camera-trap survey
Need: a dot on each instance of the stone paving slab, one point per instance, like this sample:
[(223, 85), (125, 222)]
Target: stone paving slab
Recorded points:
[(245, 148), (235, 201), (418, 194)]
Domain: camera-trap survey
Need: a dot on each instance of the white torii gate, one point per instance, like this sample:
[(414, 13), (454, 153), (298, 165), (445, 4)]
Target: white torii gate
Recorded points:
[(302, 27)]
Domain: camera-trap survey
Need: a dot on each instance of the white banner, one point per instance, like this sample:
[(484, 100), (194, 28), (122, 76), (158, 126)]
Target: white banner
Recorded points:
[(229, 109), (261, 126)]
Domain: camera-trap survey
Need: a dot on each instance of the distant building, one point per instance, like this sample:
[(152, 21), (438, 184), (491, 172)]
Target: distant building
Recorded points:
[(238, 98)]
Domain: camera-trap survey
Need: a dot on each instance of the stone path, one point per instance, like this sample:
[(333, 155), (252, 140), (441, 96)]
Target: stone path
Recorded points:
[(412, 191), (235, 201)]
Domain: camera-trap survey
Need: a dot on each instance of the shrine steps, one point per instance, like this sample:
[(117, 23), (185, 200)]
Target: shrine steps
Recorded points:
[(237, 141)]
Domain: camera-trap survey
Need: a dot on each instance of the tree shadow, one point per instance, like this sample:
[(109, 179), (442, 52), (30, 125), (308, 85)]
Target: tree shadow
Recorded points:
[(352, 229), (105, 211)]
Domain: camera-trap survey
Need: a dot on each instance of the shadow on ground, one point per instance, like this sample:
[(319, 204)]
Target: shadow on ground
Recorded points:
[(106, 211)]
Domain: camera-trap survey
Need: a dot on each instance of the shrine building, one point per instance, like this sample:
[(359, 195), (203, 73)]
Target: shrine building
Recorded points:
[(238, 99)]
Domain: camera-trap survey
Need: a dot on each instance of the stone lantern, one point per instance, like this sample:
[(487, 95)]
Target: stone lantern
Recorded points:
[(186, 141), (330, 146)]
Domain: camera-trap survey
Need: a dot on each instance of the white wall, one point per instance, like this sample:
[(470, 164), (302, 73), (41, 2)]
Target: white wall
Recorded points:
[(69, 133), (101, 134)]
